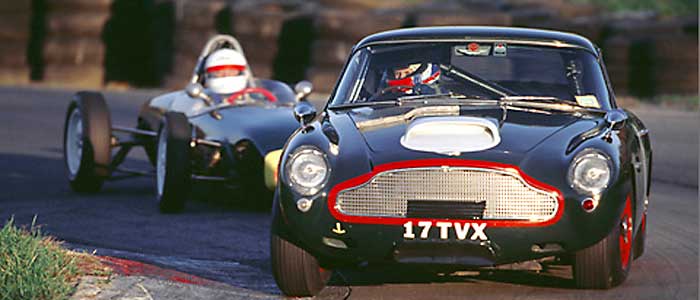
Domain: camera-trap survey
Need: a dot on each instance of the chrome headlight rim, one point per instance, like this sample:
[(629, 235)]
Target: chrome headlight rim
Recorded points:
[(583, 155), (295, 185)]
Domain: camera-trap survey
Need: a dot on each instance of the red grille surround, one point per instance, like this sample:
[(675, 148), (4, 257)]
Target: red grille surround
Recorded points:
[(359, 180)]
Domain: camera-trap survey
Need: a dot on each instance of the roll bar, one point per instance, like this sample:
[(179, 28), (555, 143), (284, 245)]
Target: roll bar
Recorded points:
[(215, 43)]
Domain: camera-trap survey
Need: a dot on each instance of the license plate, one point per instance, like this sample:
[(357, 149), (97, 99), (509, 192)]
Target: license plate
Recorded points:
[(460, 230)]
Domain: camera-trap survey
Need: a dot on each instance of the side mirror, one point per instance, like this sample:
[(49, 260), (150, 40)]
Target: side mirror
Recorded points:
[(304, 112), (196, 90), (302, 89), (616, 119)]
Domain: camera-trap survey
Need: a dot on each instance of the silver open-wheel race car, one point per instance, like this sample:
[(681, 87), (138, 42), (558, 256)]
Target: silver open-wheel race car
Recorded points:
[(189, 135)]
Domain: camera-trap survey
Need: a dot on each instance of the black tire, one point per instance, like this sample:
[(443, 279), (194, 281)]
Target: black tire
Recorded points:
[(256, 196), (174, 189), (296, 272), (640, 239), (601, 265), (94, 142), (641, 193)]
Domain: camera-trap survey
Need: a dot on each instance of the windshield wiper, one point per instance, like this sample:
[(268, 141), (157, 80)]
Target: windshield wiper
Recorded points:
[(431, 96), (457, 100), (545, 102), (366, 103), (547, 99), (480, 82), (400, 101)]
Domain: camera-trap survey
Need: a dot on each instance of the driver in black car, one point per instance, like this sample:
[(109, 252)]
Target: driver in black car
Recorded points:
[(416, 78)]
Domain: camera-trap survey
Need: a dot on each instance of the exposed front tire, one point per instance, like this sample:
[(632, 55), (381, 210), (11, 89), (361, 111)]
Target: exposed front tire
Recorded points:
[(173, 165), (296, 272), (87, 138), (255, 194), (640, 239), (607, 263)]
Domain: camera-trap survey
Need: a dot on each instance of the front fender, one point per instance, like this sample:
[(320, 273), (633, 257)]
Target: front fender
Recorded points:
[(550, 161)]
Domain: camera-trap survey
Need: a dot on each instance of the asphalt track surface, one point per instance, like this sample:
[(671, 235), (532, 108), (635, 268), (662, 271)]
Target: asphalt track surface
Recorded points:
[(215, 241)]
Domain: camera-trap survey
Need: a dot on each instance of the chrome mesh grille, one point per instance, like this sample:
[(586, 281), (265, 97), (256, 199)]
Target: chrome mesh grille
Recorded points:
[(507, 195)]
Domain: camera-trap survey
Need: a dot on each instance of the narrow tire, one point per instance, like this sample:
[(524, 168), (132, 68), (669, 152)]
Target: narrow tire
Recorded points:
[(640, 238), (173, 165), (87, 138)]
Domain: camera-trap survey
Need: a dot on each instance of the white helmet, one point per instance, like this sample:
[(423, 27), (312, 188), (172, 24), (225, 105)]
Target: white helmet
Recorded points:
[(225, 71)]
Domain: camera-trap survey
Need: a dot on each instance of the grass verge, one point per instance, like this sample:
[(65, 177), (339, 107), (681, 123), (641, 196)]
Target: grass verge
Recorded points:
[(33, 266)]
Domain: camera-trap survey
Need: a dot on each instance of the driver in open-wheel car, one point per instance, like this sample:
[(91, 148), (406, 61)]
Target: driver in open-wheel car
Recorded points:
[(225, 128)]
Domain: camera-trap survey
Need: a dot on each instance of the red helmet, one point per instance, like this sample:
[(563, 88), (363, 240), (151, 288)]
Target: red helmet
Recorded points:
[(413, 74)]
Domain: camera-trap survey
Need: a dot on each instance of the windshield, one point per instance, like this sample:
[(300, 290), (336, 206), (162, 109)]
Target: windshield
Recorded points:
[(472, 70)]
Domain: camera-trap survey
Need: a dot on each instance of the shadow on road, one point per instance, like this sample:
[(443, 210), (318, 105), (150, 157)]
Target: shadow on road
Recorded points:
[(552, 276), (212, 238)]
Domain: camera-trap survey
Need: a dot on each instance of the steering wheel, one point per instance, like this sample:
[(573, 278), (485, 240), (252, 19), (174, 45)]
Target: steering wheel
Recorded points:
[(252, 90)]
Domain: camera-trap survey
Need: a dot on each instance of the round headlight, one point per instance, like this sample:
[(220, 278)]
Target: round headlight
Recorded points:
[(590, 172), (307, 170)]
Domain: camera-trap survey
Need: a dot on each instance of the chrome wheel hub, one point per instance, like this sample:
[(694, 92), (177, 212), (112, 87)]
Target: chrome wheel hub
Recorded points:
[(161, 161), (74, 142), (626, 226)]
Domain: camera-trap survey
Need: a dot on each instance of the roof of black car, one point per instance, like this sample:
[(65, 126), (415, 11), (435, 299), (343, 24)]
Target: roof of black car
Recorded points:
[(466, 32)]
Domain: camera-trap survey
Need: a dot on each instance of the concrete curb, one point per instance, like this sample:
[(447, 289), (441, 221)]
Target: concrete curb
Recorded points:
[(135, 268), (133, 280)]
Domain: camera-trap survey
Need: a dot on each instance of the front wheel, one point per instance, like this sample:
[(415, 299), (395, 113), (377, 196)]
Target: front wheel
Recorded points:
[(296, 272), (173, 166), (607, 263), (87, 138)]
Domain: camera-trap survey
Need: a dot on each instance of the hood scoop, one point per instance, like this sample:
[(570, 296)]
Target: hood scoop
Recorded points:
[(450, 135)]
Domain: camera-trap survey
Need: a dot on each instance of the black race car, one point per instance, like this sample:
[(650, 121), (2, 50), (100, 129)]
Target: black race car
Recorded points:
[(189, 135), (464, 147)]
